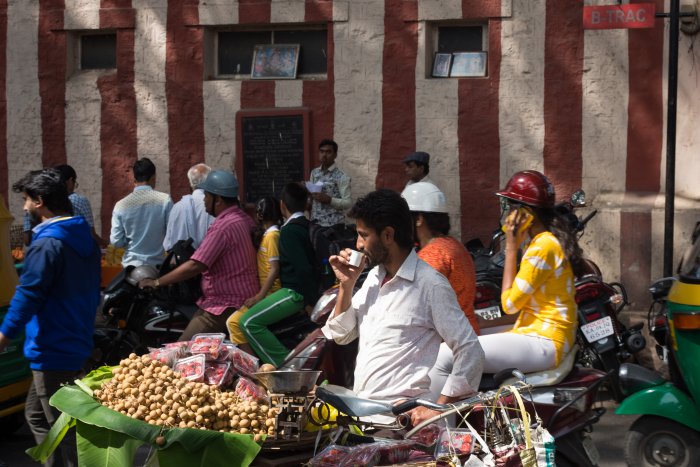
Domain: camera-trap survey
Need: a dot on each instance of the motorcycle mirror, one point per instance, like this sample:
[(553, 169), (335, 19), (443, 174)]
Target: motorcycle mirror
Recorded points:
[(578, 198)]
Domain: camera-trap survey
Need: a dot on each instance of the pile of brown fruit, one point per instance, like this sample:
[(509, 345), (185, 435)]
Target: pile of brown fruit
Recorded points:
[(148, 390)]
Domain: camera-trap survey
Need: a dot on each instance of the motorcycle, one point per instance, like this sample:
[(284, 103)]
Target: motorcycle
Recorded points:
[(136, 319), (668, 431), (566, 408), (604, 341)]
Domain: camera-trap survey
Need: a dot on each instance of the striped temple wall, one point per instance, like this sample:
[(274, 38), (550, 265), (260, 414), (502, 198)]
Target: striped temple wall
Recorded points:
[(586, 107)]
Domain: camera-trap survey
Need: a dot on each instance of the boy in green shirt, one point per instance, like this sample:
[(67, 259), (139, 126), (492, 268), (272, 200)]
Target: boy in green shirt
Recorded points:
[(298, 276)]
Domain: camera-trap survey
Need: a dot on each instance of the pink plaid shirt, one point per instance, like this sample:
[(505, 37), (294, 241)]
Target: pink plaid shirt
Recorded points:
[(227, 252)]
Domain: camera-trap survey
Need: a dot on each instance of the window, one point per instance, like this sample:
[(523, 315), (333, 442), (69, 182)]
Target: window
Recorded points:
[(459, 51), (234, 55), (98, 51)]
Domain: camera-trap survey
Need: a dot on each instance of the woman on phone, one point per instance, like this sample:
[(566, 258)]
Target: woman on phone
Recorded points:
[(542, 290)]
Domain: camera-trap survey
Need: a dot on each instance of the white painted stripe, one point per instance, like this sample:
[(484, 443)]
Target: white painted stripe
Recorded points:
[(605, 98), (218, 12), (24, 147), (81, 14), (521, 90), (287, 11), (288, 93), (149, 85), (358, 92), (83, 147), (437, 105), (431, 10), (222, 99)]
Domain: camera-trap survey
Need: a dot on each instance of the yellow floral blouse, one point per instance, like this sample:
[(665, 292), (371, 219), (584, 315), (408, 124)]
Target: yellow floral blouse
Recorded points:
[(544, 291)]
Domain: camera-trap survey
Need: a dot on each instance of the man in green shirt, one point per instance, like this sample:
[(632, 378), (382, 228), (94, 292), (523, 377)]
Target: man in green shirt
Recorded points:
[(298, 276)]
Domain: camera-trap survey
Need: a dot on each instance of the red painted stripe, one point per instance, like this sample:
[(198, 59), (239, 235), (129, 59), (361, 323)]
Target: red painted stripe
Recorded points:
[(254, 11), (184, 68), (319, 95), (479, 144), (563, 95), (645, 111), (118, 123), (398, 91), (257, 94), (52, 81), (4, 182), (477, 9), (635, 260)]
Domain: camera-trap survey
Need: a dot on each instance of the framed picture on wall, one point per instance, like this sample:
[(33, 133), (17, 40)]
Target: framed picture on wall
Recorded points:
[(466, 64), (275, 61), (441, 65)]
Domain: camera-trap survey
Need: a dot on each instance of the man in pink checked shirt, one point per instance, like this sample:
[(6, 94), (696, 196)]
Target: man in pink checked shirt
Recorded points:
[(226, 259)]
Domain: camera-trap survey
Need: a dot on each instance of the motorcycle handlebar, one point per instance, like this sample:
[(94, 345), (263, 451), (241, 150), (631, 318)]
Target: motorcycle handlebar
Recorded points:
[(582, 224)]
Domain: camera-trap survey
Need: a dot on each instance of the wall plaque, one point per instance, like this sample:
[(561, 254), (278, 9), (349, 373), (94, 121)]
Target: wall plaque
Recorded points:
[(273, 150)]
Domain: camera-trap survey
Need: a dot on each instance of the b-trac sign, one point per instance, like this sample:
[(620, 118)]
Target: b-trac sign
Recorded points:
[(637, 15)]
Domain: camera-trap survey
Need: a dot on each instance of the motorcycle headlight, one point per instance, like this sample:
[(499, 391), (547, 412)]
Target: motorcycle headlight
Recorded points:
[(560, 396)]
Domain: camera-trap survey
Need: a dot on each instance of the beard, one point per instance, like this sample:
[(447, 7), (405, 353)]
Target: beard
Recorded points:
[(377, 256)]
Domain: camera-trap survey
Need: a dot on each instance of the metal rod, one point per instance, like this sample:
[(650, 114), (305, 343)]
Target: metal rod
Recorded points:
[(671, 137)]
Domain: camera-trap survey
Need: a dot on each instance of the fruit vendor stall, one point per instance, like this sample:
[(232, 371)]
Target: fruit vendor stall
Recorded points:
[(206, 402)]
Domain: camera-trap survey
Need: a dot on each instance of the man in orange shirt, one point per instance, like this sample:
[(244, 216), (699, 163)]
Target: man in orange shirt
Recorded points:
[(444, 253)]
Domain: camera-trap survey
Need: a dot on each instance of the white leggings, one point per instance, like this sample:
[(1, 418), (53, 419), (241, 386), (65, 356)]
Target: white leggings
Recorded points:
[(529, 354)]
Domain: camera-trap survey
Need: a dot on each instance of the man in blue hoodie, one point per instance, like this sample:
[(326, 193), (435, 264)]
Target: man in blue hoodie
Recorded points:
[(55, 301)]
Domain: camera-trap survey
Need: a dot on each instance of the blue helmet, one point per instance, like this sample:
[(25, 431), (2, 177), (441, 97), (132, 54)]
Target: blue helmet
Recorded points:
[(222, 183)]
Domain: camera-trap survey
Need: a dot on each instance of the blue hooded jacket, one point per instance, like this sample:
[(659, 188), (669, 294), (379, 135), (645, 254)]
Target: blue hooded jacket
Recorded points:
[(57, 295)]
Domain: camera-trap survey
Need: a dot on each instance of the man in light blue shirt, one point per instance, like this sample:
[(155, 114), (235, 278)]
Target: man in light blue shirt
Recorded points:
[(189, 217), (140, 219)]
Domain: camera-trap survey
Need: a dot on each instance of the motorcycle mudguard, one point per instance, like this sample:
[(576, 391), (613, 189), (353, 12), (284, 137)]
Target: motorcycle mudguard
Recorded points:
[(665, 400)]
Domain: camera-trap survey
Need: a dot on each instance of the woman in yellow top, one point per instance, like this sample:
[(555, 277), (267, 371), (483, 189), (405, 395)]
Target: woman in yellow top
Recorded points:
[(266, 240), (543, 289)]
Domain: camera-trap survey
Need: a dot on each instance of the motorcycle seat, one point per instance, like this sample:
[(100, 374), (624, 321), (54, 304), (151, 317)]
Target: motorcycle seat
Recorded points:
[(347, 401), (540, 378)]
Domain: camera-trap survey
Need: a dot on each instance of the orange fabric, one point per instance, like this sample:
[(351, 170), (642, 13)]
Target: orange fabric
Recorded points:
[(449, 257)]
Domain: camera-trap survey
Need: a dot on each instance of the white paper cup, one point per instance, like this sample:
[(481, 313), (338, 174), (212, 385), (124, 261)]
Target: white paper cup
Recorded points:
[(355, 258)]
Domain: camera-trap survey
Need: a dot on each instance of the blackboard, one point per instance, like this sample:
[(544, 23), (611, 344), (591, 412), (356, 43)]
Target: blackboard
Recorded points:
[(273, 153)]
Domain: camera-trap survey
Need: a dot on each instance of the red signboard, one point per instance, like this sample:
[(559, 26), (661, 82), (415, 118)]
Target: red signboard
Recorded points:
[(635, 15)]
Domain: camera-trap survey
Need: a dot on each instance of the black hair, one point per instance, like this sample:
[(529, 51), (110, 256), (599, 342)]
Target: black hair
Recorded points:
[(144, 169), (67, 172), (386, 208), (561, 229), (426, 167), (48, 186), (437, 222), (294, 196), (267, 209), (328, 142)]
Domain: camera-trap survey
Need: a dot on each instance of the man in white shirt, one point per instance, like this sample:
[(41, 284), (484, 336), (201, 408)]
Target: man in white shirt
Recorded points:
[(189, 217), (402, 313)]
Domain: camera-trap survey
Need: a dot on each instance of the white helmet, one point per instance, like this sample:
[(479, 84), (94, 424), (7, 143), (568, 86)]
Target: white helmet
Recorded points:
[(424, 197)]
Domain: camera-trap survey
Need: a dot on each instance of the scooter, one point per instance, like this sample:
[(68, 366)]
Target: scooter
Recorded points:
[(668, 431)]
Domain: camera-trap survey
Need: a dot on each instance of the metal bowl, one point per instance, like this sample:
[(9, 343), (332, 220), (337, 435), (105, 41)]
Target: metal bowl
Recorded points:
[(289, 381)]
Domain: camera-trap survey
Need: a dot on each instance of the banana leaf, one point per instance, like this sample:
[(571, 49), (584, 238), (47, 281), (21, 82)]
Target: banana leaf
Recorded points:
[(107, 437), (53, 438)]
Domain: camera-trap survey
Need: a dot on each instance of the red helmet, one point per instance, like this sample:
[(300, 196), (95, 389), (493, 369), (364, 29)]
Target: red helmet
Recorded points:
[(529, 187)]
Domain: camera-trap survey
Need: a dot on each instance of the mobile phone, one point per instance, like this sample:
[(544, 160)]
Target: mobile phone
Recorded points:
[(527, 219)]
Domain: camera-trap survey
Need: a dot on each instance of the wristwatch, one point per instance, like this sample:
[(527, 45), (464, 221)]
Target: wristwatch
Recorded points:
[(156, 283)]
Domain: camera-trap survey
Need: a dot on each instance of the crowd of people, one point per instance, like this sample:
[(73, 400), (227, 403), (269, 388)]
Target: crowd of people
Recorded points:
[(413, 316)]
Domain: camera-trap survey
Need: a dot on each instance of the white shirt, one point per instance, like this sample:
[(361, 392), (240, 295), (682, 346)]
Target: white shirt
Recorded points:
[(188, 219), (400, 326)]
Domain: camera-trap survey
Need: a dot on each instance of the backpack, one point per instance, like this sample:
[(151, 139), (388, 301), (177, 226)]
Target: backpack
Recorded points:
[(328, 241), (186, 292)]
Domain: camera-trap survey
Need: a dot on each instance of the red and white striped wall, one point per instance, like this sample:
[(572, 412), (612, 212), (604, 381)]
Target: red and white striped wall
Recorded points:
[(586, 107)]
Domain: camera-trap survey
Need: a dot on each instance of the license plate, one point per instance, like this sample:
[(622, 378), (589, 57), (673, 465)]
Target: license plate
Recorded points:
[(591, 450), (598, 329), (491, 312)]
